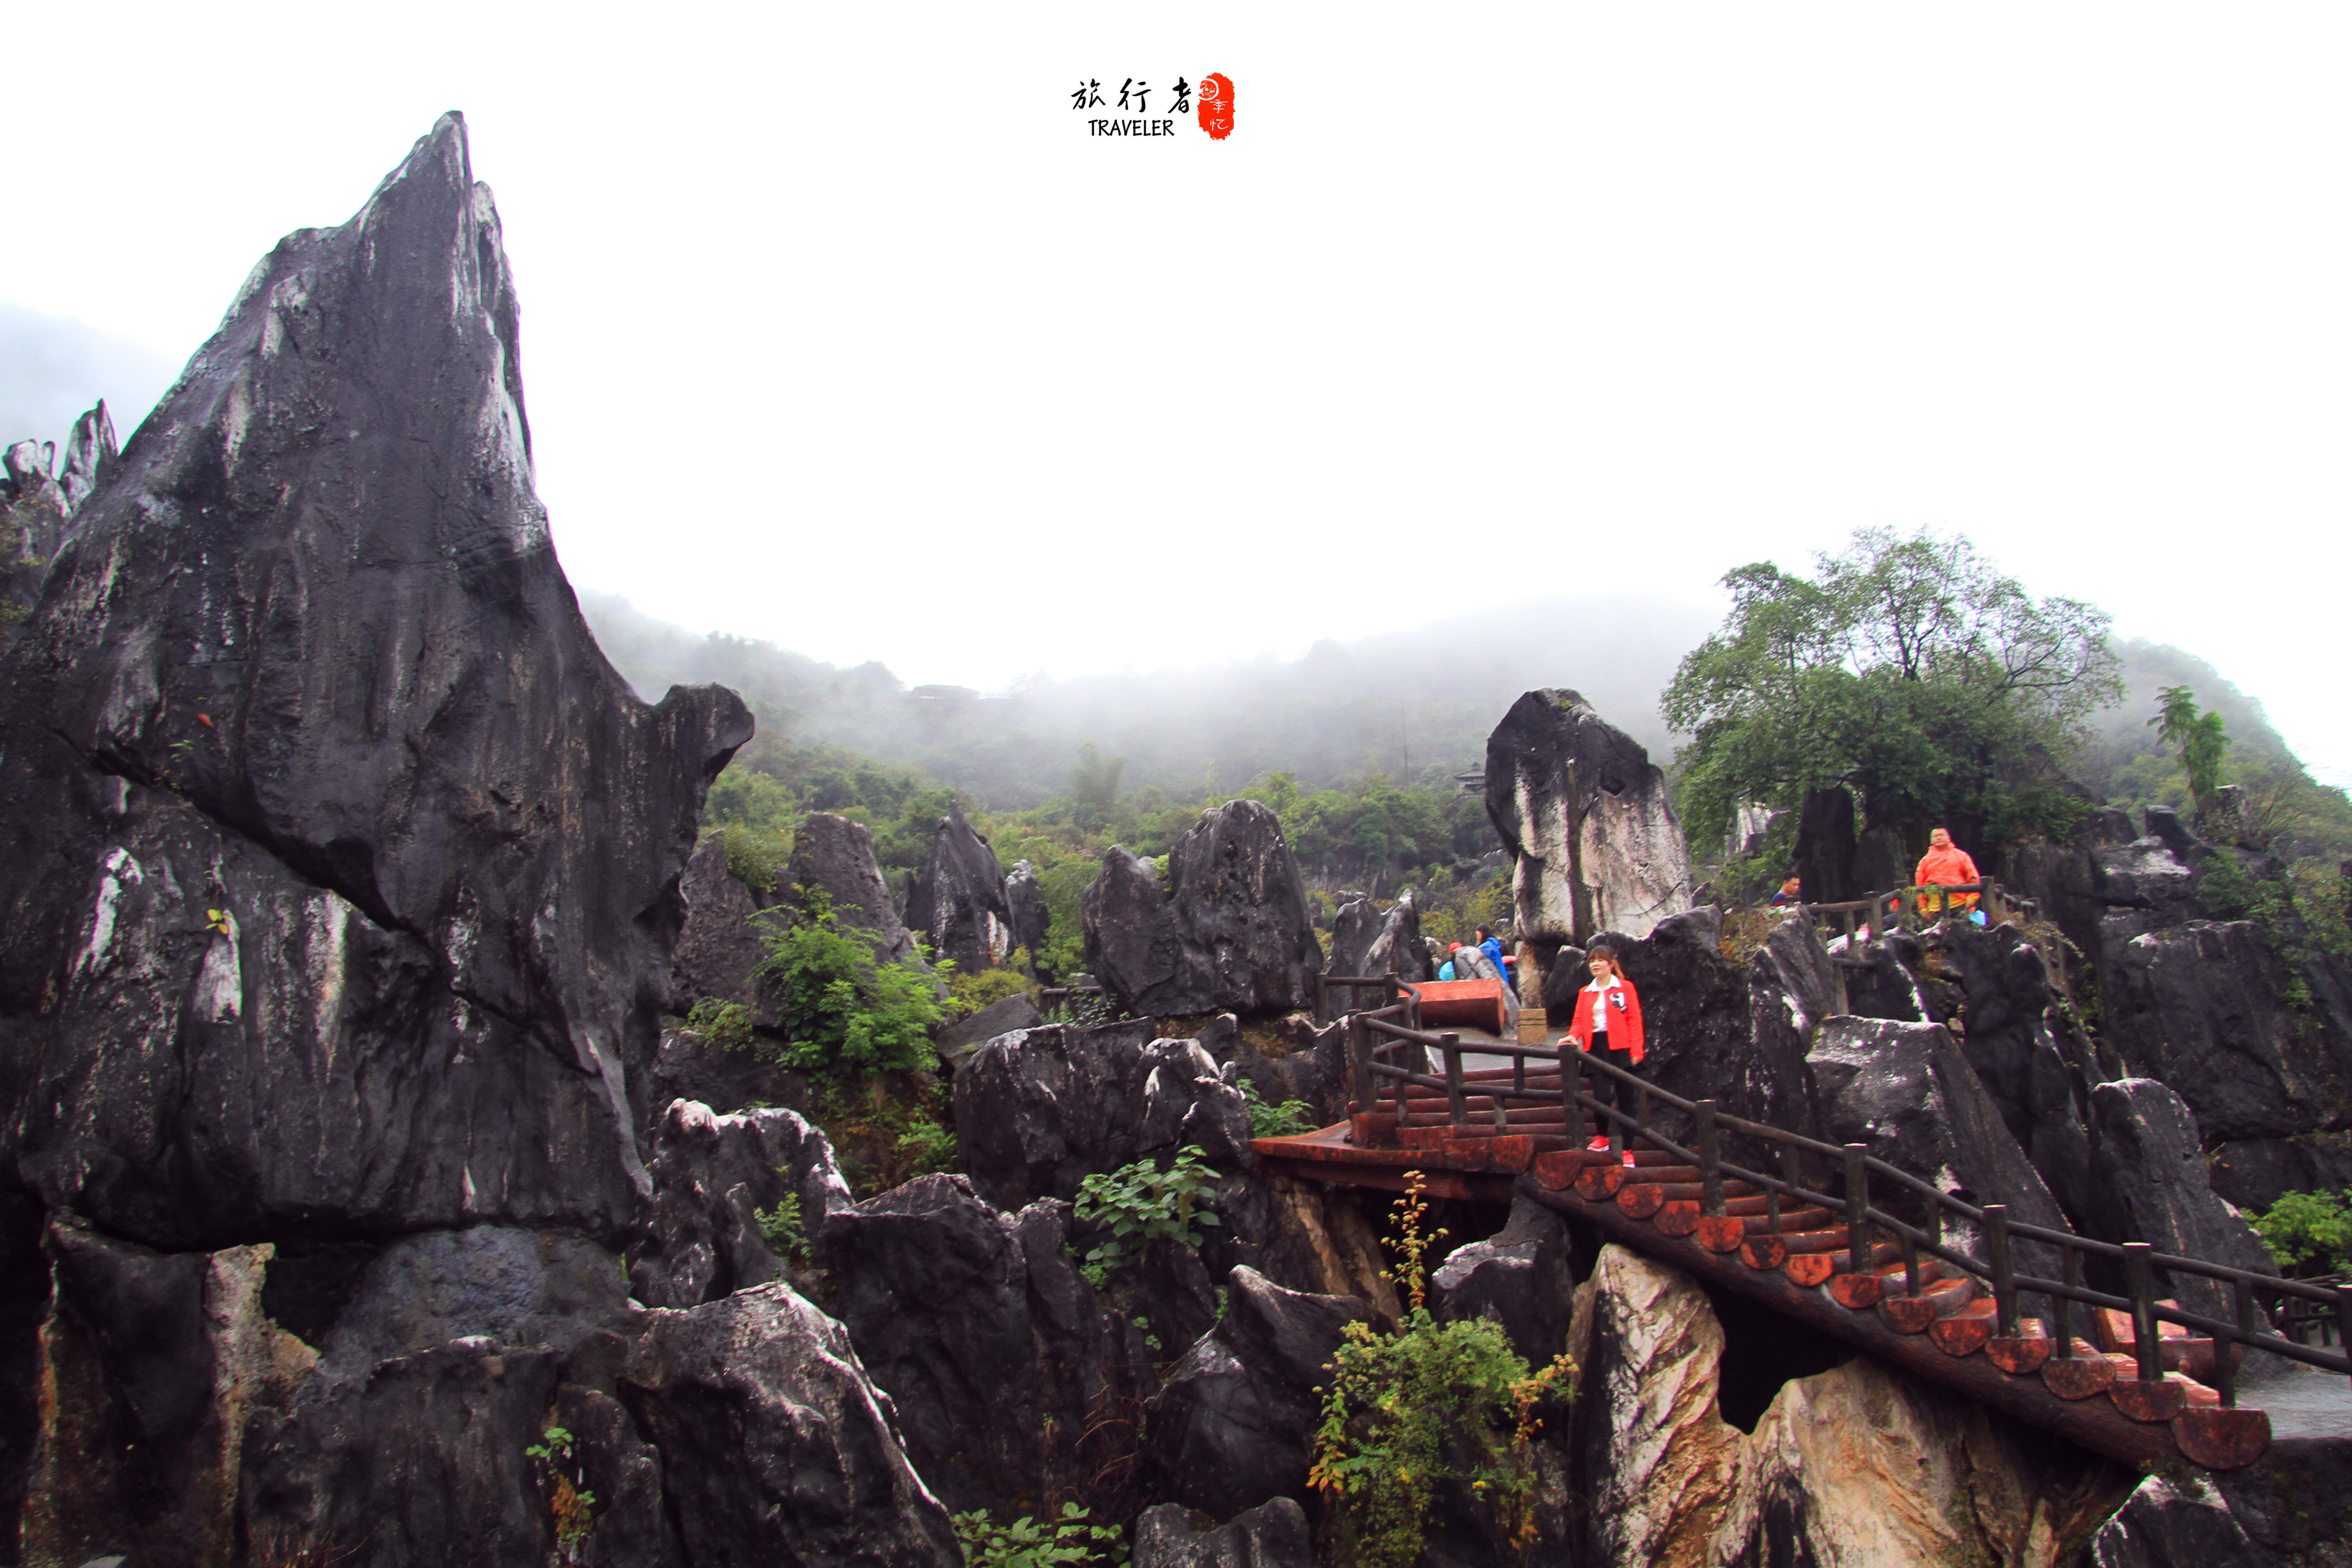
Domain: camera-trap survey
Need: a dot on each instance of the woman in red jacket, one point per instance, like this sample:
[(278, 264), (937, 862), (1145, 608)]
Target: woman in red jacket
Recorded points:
[(1607, 1017)]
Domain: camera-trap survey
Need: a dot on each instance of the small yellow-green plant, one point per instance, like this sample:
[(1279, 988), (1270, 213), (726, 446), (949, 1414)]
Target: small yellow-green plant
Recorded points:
[(1072, 1539), (1428, 1404), (1144, 1203), (1287, 1120), (781, 1228), (569, 1499), (968, 993)]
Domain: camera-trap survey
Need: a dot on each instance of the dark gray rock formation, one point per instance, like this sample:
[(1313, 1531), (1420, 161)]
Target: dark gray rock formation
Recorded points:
[(1368, 940), (311, 663), (958, 1040), (836, 854), (2030, 1058), (1824, 856), (1010, 1376), (1039, 1111), (2202, 1007), (1272, 1535), (957, 902), (1714, 1031), (1231, 1428), (342, 882), (1907, 1093), (718, 952), (1024, 905), (712, 1175), (1303, 1062), (91, 457), (2251, 1172), (774, 1445), (1230, 931), (2174, 1521), (1587, 817), (1522, 1278), (2154, 1166)]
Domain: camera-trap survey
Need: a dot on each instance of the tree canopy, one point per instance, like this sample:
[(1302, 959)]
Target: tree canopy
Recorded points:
[(1909, 669)]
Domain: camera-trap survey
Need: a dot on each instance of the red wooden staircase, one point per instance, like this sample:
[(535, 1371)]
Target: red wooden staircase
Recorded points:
[(2157, 1384)]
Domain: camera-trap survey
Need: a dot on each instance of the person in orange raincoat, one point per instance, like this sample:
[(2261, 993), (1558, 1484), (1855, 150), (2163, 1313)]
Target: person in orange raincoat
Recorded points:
[(1945, 865), (1607, 1017)]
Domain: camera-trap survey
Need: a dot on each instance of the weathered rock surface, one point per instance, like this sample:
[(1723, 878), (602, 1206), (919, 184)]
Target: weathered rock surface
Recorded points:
[(958, 1040), (836, 855), (1024, 905), (1907, 1092), (1272, 1535), (1304, 1063), (342, 879), (1370, 940), (775, 1446), (718, 952), (1007, 1372), (1858, 1464), (2161, 1193), (1233, 1423), (712, 1175), (310, 662), (1231, 931), (957, 901), (1713, 1031), (91, 457), (2201, 1006), (1039, 1111), (1587, 817), (1521, 1278)]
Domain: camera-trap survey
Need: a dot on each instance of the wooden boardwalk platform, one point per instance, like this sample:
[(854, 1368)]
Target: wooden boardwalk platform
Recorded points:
[(2150, 1383)]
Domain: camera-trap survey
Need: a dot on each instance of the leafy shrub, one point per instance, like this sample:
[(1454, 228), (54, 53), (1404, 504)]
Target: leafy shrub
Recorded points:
[(782, 1229), (1142, 1203), (968, 994), (846, 1011), (726, 1024), (1024, 1543), (568, 1499), (2309, 1233), (887, 1129), (1287, 1120), (1428, 1404)]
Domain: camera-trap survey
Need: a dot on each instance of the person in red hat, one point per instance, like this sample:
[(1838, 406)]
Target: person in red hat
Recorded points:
[(1608, 1018)]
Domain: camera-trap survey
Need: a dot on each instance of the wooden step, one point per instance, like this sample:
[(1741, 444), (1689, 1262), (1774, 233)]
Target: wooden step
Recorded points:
[(1935, 1300)]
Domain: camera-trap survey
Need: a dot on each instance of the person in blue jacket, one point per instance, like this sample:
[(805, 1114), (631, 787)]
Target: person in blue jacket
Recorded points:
[(1494, 950)]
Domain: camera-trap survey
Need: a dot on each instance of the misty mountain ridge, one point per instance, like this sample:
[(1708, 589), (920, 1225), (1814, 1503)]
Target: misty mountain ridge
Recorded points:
[(1414, 706)]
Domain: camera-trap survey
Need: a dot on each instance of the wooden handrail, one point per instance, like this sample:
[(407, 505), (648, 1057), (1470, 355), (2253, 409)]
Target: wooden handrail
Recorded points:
[(1864, 1218)]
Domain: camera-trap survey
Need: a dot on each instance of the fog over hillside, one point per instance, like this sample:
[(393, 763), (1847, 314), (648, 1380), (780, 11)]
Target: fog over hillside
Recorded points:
[(51, 369), (1412, 706)]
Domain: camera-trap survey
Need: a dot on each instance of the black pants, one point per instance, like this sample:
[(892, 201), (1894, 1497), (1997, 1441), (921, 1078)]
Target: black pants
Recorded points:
[(1610, 1091)]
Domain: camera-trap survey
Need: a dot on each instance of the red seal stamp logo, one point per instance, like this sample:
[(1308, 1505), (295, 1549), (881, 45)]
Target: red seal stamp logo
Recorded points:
[(1217, 105)]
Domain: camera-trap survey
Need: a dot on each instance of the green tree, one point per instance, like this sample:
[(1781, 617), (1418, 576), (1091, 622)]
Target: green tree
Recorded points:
[(1093, 786), (1909, 669), (846, 1011), (2199, 737)]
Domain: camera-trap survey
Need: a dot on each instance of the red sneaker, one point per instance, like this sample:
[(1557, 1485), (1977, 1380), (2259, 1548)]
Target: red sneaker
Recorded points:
[(1627, 1158), (1598, 1146)]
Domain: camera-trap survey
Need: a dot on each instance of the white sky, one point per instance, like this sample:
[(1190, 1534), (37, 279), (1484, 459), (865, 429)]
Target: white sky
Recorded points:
[(839, 330)]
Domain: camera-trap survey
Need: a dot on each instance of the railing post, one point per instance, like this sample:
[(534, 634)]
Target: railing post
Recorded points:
[(1858, 1251), (1910, 1262), (2225, 1370), (1781, 1155), (1518, 1073), (1641, 1111), (2142, 1285), (1360, 1059), (1450, 1044), (1572, 1085), (1322, 999), (2062, 1331), (2004, 1273), (2344, 1320), (1710, 1161)]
